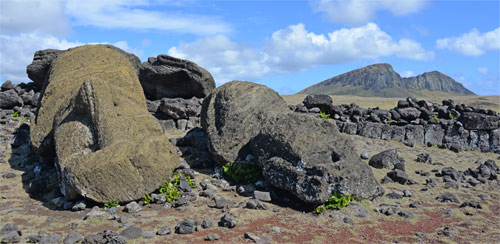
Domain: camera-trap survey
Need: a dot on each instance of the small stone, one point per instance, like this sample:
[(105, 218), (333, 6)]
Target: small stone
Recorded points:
[(275, 230), (73, 238), (398, 176), (212, 237), (472, 204), (8, 175), (79, 206), (228, 221), (447, 197), (207, 223), (414, 205), (405, 214), (449, 212), (162, 231), (159, 198), (51, 239), (12, 237), (406, 193), (187, 226), (348, 221), (262, 196), (394, 195), (421, 235), (221, 202), (208, 193), (365, 155), (8, 228), (131, 232), (132, 207), (257, 238), (148, 235)]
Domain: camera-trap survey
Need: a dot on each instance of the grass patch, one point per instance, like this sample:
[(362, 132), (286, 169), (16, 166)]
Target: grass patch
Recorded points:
[(242, 172), (337, 201)]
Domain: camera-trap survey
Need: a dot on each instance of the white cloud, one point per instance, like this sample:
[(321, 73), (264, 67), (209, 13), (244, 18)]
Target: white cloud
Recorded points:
[(356, 12), (130, 14), (407, 73), (23, 16), (146, 42), (483, 70), (294, 49), (17, 51), (224, 59), (472, 43)]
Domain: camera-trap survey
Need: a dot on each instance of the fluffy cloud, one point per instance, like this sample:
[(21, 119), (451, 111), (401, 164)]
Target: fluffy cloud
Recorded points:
[(407, 73), (483, 70), (223, 58), (472, 43), (295, 49), (131, 14), (16, 52), (24, 16), (356, 12)]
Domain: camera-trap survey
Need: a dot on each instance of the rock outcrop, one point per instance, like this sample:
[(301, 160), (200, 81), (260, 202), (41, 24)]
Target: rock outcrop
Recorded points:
[(299, 153), (95, 121), (169, 77), (38, 70), (382, 80)]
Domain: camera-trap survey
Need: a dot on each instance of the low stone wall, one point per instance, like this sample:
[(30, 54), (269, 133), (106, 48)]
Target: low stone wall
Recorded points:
[(457, 127)]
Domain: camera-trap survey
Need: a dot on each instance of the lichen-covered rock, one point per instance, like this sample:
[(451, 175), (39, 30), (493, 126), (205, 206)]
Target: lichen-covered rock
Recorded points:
[(386, 159), (166, 76), (371, 130), (38, 70), (300, 153), (433, 134), (93, 118)]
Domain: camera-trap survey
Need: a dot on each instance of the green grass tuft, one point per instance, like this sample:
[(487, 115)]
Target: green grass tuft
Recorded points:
[(242, 172), (323, 115), (337, 200), (110, 204)]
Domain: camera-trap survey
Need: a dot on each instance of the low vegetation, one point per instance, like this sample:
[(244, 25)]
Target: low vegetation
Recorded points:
[(323, 115), (241, 172), (337, 201), (111, 203)]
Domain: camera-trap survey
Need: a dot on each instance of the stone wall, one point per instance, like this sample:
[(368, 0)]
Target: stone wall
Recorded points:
[(447, 125)]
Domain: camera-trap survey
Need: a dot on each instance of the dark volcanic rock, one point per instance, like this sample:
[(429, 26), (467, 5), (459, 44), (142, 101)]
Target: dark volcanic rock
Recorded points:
[(9, 99), (321, 101), (243, 118), (38, 70), (180, 108), (166, 76), (447, 197), (398, 176), (386, 159), (477, 121), (187, 226)]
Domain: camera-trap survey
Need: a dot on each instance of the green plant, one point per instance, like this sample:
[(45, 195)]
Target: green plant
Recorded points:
[(15, 114), (177, 178), (111, 203), (242, 171), (170, 191), (323, 115), (452, 115), (389, 120), (435, 118), (147, 199), (337, 200)]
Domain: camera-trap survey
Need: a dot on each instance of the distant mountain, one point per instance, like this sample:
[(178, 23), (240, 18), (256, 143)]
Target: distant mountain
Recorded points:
[(381, 80)]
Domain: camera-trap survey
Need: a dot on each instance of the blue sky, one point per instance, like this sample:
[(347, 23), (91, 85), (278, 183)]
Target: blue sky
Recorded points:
[(286, 45)]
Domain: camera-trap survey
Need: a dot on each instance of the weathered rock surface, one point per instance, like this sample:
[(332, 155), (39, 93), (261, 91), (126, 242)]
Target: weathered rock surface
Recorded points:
[(38, 70), (243, 118), (9, 99), (321, 101), (96, 123), (477, 121), (166, 76)]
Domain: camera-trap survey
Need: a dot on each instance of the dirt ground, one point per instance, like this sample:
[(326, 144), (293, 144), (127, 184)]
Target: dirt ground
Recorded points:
[(296, 224)]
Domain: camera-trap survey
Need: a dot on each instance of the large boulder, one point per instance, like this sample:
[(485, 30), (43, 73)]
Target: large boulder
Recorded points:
[(233, 115), (166, 76), (9, 99), (387, 159), (321, 101), (477, 121), (38, 70), (93, 118), (180, 108), (300, 153)]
